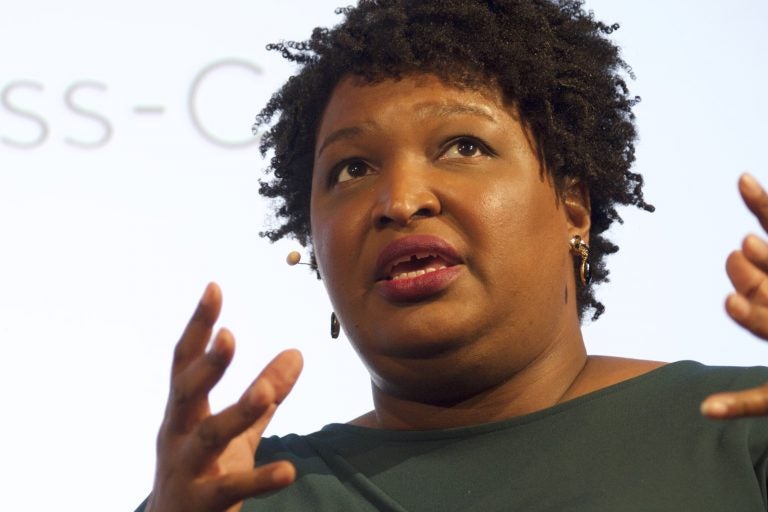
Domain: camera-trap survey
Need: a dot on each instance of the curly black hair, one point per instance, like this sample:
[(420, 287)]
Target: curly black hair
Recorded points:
[(550, 58)]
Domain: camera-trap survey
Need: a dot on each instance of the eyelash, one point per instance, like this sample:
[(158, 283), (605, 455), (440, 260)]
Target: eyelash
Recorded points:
[(479, 145), (335, 176)]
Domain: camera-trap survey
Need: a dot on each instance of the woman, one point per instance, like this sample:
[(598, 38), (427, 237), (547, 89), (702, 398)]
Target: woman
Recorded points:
[(454, 166)]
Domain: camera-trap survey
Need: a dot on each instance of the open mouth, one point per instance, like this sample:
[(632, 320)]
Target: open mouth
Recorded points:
[(416, 268), (415, 265), (414, 256)]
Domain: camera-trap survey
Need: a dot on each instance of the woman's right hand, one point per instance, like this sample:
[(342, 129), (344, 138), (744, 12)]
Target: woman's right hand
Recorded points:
[(205, 462)]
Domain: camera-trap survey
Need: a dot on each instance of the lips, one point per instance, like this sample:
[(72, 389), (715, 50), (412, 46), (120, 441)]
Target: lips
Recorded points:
[(416, 267)]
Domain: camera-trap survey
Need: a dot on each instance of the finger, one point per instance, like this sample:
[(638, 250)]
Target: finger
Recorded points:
[(283, 387), (198, 330), (253, 411), (188, 400), (282, 373), (221, 493), (755, 198), (750, 402), (751, 316), (748, 280), (756, 251)]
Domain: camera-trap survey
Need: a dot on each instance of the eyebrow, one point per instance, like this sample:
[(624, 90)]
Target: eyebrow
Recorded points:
[(343, 133), (423, 110), (448, 109)]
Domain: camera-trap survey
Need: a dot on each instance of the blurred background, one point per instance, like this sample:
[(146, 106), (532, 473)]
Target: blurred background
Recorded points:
[(129, 179)]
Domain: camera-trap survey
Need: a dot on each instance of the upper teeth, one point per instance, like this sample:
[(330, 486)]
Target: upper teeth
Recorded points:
[(406, 259), (415, 273)]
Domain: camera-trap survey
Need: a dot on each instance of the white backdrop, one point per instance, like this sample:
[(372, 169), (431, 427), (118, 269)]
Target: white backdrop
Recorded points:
[(128, 179)]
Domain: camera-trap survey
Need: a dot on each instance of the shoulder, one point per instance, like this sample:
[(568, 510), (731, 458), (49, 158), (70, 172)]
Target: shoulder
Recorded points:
[(305, 447), (695, 375), (287, 447), (603, 372), (655, 386)]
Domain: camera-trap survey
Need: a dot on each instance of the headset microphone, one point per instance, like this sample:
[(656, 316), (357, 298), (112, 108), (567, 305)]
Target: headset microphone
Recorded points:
[(294, 258)]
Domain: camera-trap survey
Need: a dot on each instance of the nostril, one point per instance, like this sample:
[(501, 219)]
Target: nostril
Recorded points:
[(402, 217), (403, 204)]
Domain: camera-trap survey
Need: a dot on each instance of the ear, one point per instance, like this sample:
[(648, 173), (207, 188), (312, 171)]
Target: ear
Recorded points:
[(578, 208)]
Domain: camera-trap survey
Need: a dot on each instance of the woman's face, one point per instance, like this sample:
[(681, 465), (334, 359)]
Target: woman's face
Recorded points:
[(439, 236)]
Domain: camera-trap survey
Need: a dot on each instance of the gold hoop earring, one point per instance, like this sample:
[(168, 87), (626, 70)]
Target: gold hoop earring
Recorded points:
[(580, 248), (335, 326)]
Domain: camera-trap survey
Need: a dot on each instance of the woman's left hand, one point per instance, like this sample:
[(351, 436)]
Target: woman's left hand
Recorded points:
[(748, 305)]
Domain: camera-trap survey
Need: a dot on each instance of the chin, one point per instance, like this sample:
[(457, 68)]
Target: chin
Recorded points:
[(415, 337), (422, 328)]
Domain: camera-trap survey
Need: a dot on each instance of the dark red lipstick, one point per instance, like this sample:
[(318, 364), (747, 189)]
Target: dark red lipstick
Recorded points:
[(416, 267)]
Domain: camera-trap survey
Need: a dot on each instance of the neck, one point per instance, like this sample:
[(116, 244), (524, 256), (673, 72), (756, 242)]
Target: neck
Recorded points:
[(544, 382)]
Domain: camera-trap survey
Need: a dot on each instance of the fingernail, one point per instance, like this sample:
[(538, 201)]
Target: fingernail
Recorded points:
[(751, 186), (714, 407), (738, 307)]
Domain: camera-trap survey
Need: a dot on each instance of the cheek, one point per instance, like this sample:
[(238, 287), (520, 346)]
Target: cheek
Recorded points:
[(504, 214), (322, 242), (335, 241), (320, 233), (500, 209), (520, 228)]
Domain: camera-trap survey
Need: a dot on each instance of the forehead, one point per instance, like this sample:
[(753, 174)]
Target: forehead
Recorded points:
[(353, 86), (356, 102), (358, 106)]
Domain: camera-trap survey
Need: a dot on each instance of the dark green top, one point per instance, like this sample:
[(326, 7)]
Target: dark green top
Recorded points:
[(640, 445)]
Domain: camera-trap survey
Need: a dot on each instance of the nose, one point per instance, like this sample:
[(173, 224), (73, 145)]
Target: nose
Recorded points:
[(405, 193)]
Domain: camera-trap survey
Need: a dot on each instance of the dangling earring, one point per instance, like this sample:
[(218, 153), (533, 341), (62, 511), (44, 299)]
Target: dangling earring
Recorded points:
[(335, 326), (580, 248)]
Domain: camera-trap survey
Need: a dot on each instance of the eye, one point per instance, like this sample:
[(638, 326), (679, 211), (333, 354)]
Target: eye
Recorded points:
[(351, 170), (466, 147)]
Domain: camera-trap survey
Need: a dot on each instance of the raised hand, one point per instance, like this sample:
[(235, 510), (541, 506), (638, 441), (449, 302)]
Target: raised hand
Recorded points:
[(748, 304), (205, 462)]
